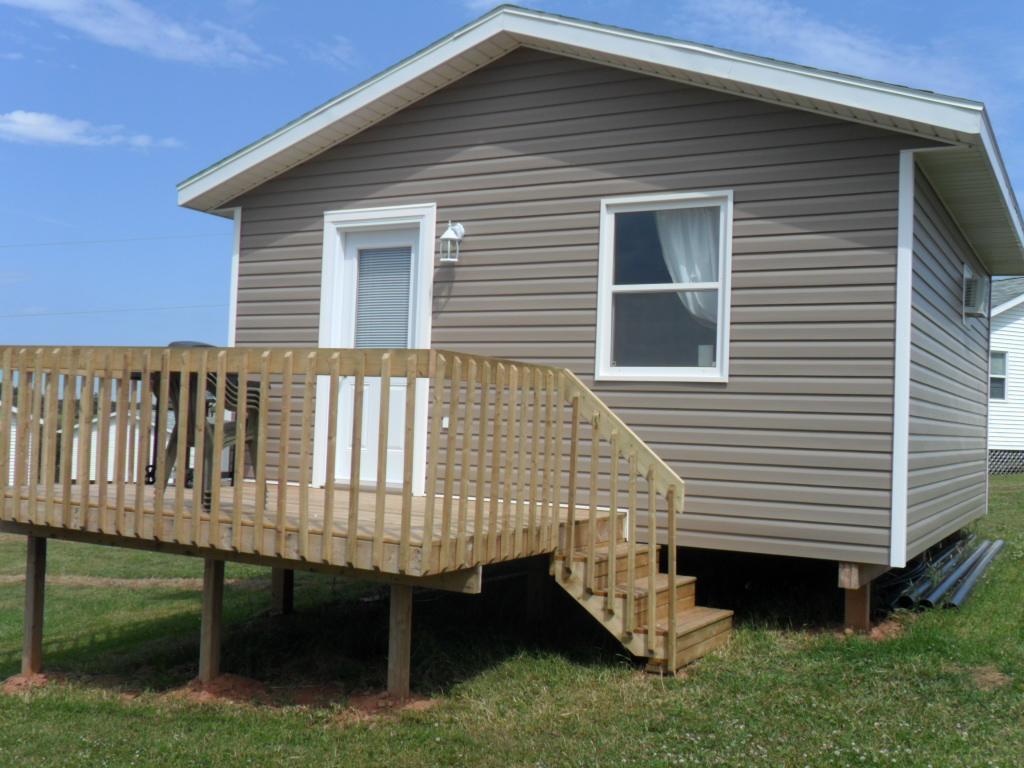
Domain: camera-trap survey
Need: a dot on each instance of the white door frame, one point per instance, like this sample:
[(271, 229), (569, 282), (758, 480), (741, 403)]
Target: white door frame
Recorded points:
[(332, 289)]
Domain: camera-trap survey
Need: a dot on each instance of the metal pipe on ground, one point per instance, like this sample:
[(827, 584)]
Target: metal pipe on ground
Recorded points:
[(971, 580), (935, 597), (944, 564)]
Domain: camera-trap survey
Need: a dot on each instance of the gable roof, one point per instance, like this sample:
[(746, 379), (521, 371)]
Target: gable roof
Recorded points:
[(1007, 294), (969, 176)]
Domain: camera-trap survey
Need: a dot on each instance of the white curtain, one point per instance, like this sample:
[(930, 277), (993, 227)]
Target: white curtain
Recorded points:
[(689, 245)]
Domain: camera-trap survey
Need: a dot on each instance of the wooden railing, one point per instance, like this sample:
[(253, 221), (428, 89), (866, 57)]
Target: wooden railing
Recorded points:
[(519, 459)]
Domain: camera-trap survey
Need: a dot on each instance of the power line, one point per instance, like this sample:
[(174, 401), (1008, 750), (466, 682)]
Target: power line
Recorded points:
[(114, 311), (113, 240)]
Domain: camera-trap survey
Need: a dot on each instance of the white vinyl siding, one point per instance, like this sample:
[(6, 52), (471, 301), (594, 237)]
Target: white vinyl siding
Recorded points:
[(1006, 416), (382, 297)]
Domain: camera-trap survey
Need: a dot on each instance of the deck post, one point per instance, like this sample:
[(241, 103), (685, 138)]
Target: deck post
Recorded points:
[(35, 586), (399, 641), (210, 630), (858, 608), (282, 591)]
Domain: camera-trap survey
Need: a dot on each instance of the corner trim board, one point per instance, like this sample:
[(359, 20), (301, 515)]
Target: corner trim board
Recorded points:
[(901, 361), (236, 256)]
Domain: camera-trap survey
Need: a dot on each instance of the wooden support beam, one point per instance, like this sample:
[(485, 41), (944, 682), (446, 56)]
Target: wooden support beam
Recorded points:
[(399, 641), (858, 609), (35, 587), (282, 591), (210, 631), (856, 575)]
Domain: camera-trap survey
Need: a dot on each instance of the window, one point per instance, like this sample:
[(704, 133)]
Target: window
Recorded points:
[(997, 376), (663, 296)]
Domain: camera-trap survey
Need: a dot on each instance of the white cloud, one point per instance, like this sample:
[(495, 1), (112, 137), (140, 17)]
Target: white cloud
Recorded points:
[(43, 128), (787, 31), (128, 24), (339, 53)]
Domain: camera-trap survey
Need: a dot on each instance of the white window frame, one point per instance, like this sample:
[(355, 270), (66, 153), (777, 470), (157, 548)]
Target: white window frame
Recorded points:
[(604, 370), (1005, 377)]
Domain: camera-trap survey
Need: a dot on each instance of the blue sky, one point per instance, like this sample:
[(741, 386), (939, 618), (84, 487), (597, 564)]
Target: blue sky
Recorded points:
[(106, 104)]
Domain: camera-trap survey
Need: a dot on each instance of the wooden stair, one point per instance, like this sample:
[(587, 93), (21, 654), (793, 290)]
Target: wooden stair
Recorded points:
[(699, 629)]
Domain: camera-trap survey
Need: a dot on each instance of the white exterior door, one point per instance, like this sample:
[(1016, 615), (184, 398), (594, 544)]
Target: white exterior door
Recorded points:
[(380, 293)]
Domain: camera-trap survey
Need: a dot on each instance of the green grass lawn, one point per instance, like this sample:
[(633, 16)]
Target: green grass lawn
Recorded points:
[(946, 691)]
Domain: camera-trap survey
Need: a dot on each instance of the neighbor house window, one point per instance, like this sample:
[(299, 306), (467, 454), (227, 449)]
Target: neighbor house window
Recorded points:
[(663, 298), (997, 376)]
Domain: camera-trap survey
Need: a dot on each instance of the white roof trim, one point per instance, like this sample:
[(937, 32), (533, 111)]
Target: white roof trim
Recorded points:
[(1008, 305), (946, 118)]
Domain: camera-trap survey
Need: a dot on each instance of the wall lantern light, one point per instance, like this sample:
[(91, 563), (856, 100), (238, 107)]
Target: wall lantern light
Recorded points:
[(450, 242)]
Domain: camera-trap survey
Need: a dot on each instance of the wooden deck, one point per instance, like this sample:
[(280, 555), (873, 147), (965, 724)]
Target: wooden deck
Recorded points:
[(511, 531)]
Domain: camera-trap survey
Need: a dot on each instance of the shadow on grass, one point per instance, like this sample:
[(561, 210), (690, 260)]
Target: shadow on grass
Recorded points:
[(337, 639)]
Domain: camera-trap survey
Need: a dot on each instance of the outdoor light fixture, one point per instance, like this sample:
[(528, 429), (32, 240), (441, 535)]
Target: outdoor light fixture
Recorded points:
[(450, 241)]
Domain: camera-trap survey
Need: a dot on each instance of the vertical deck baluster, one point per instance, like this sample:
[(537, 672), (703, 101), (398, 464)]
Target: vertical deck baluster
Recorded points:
[(464, 462), (672, 500), (630, 616), (454, 391), (103, 442), (574, 456), (559, 447), (35, 443), (493, 542), (21, 487), (49, 463), (538, 519), (181, 453), (408, 450), (652, 561), (308, 393), (284, 436), (595, 421), (433, 449), (355, 476), (613, 522), (121, 442), (6, 409), (241, 445), (330, 473), (145, 439), (479, 537), (380, 497), (510, 456), (131, 416), (199, 478), (163, 401), (215, 538), (260, 470), (521, 542), (547, 508), (85, 438), (69, 400)]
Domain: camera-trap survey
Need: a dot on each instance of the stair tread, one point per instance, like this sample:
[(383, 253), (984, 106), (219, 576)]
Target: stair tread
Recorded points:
[(601, 552), (690, 619), (661, 581)]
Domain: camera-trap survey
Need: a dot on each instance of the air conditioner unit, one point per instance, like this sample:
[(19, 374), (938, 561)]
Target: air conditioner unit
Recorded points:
[(975, 293)]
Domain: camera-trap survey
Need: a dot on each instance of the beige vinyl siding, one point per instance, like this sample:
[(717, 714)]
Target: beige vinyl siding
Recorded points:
[(948, 381), (793, 455)]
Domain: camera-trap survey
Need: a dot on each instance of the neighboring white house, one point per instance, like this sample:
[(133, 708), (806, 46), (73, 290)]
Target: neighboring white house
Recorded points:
[(1006, 377)]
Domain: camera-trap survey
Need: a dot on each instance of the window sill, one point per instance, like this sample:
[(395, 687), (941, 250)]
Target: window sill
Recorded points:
[(669, 377)]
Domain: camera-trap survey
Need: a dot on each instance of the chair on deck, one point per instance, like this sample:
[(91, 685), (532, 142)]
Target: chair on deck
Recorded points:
[(249, 442)]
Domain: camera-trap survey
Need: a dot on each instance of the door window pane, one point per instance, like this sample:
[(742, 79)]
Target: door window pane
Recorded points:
[(382, 297), (677, 329)]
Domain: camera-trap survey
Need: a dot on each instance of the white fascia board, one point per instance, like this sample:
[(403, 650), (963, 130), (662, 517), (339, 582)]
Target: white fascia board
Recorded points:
[(959, 115), (1008, 305), (337, 109)]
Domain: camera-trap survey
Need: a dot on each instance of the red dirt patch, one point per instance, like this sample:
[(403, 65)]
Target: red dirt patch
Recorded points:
[(230, 688), (889, 629), (370, 705), (18, 684)]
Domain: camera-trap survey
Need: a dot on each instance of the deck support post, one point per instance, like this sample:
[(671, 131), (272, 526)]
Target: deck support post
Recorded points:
[(35, 587), (858, 608), (399, 641), (282, 591), (210, 630)]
